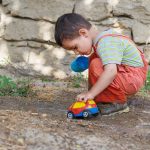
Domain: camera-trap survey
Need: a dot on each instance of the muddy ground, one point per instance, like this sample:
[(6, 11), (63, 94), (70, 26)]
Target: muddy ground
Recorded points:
[(40, 123)]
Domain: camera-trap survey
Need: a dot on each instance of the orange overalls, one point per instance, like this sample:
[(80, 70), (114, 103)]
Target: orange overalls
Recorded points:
[(127, 81)]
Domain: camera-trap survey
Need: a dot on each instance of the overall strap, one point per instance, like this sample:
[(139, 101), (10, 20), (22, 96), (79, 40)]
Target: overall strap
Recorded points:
[(114, 35)]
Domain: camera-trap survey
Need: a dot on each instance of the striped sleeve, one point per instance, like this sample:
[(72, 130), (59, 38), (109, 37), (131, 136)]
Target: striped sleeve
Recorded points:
[(110, 50)]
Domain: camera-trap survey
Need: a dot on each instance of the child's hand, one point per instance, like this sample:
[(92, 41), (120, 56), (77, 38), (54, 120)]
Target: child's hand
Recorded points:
[(84, 96)]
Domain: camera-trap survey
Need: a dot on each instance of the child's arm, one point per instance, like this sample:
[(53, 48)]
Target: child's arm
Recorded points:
[(106, 78)]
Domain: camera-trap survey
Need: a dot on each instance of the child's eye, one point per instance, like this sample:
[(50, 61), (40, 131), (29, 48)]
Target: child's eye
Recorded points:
[(75, 48)]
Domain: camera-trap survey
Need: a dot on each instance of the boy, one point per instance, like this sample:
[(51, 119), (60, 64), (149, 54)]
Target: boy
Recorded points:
[(117, 67)]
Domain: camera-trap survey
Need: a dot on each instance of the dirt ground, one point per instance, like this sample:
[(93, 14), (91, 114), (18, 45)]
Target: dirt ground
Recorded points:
[(40, 123)]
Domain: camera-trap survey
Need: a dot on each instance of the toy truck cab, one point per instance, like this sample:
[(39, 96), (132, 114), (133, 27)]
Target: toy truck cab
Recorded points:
[(81, 109)]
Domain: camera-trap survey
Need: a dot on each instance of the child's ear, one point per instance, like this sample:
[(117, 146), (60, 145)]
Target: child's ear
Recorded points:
[(83, 32)]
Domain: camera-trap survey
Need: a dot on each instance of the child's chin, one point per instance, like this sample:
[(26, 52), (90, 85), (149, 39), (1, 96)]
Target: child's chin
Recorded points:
[(86, 54), (89, 52)]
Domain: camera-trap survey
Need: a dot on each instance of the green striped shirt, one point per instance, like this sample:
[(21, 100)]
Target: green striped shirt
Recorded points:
[(117, 50)]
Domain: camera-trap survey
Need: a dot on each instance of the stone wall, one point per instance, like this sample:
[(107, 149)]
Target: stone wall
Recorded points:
[(27, 44)]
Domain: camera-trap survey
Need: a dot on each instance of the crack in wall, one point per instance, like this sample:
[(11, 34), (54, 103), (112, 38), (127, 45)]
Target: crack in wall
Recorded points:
[(38, 41), (99, 20), (122, 15), (33, 19), (74, 6), (132, 37)]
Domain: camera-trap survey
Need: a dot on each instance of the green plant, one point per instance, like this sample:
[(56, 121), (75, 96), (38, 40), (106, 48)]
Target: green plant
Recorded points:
[(12, 88), (146, 89), (147, 83), (23, 88), (7, 86), (77, 80)]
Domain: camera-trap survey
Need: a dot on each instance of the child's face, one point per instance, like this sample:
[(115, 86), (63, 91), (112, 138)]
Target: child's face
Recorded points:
[(81, 45)]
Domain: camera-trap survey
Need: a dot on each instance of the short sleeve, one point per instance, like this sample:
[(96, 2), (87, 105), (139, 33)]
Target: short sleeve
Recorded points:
[(110, 50)]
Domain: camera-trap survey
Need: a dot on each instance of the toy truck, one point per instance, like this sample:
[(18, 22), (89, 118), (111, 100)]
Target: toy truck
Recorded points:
[(81, 109)]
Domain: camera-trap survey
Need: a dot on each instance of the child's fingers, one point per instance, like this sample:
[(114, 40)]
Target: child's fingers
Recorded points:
[(85, 99), (80, 98)]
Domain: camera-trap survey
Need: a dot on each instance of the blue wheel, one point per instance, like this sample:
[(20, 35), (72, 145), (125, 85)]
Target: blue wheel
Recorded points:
[(70, 115), (86, 114)]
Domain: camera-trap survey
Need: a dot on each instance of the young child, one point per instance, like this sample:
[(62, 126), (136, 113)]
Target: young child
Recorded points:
[(117, 67)]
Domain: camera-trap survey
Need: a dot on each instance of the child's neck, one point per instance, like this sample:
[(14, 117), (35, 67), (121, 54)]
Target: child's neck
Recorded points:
[(94, 33)]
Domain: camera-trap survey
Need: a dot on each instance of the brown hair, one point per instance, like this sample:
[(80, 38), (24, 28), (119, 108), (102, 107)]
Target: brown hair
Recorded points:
[(68, 25)]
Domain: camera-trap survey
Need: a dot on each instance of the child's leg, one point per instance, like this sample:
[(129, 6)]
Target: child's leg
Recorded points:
[(131, 79), (113, 93), (128, 80)]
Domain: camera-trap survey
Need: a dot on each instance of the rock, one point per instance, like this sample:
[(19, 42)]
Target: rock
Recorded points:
[(27, 44), (20, 141), (117, 29), (34, 44), (41, 9), (45, 60), (34, 114), (4, 53), (146, 49), (136, 9), (1, 23), (141, 33), (44, 115), (93, 10), (29, 30)]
